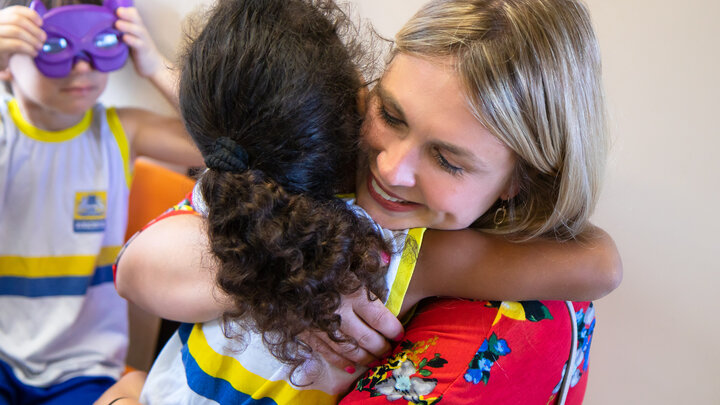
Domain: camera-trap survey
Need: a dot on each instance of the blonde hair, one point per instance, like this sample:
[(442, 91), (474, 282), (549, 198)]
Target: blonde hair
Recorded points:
[(531, 71)]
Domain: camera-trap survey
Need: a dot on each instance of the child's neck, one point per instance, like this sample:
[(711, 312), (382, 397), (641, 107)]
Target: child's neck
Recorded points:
[(45, 118)]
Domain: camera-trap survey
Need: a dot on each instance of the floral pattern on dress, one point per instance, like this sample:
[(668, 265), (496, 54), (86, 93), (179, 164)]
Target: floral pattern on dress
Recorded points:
[(405, 375), (481, 363), (586, 326), (533, 311), (493, 347)]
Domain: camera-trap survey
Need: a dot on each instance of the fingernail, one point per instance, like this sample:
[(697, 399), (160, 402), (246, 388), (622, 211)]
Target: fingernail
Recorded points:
[(399, 337), (350, 370)]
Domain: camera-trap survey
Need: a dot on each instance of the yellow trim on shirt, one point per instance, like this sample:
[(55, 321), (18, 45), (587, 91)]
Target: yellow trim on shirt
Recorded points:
[(405, 270), (60, 266), (242, 380), (122, 142), (31, 131)]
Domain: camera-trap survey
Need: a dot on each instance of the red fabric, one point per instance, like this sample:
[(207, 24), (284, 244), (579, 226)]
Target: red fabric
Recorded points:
[(444, 359)]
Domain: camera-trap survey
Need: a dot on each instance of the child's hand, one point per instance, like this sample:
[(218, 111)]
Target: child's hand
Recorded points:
[(20, 32), (369, 323), (145, 56)]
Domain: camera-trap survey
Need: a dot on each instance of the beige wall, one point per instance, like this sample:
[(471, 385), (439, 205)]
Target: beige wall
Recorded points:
[(657, 335)]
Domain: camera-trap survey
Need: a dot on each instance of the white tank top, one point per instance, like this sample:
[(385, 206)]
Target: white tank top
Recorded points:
[(63, 213)]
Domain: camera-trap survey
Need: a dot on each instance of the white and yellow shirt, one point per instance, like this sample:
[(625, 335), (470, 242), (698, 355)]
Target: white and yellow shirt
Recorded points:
[(63, 213), (200, 365)]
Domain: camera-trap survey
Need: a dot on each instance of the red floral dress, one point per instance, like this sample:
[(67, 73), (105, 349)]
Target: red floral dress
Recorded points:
[(483, 352)]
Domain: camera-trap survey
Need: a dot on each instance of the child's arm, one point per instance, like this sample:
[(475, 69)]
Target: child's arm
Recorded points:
[(471, 264), (20, 32), (159, 137), (168, 271), (146, 58), (124, 392)]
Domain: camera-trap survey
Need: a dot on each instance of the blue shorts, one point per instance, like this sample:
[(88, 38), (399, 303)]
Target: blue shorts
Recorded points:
[(78, 390)]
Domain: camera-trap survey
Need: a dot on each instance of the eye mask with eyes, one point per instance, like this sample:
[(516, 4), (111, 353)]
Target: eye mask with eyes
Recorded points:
[(80, 32)]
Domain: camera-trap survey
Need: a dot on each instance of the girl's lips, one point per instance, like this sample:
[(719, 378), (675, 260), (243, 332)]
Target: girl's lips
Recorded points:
[(387, 200)]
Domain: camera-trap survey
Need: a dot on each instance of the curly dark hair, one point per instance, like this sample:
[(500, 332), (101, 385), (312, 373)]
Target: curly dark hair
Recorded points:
[(275, 78)]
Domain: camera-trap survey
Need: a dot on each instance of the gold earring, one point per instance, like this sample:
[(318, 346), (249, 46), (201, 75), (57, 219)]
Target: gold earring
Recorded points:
[(500, 215)]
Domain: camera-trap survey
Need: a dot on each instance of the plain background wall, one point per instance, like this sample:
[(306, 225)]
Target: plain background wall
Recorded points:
[(657, 335)]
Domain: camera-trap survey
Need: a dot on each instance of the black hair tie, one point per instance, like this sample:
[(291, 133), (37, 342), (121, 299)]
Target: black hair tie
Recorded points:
[(227, 156)]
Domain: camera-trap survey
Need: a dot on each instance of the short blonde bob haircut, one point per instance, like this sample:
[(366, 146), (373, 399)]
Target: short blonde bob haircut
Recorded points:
[(532, 75)]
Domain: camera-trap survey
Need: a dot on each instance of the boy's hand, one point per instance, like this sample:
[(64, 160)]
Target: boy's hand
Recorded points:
[(147, 59), (20, 32)]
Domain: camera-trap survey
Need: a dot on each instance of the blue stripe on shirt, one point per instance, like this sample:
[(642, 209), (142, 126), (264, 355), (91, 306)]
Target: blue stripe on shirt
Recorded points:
[(35, 287), (208, 386)]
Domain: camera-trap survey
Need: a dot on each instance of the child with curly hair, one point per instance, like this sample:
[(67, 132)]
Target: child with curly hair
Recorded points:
[(246, 105)]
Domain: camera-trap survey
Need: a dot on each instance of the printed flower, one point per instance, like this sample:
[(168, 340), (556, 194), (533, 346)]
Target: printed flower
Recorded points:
[(402, 385), (513, 310), (394, 376), (490, 350), (499, 346), (533, 311), (586, 326), (475, 375)]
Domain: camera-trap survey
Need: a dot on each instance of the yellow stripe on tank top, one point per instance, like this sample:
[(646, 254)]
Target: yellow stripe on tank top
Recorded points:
[(241, 379), (59, 266), (405, 270), (122, 142), (47, 136)]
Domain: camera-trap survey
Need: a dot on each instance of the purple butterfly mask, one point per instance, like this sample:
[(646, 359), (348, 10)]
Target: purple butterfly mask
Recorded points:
[(80, 32)]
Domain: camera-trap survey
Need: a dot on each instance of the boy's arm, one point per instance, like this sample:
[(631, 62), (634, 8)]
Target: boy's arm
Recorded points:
[(148, 61), (159, 137), (152, 135), (472, 264), (124, 392), (20, 32)]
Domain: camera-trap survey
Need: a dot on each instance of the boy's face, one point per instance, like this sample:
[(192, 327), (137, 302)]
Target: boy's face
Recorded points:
[(70, 95)]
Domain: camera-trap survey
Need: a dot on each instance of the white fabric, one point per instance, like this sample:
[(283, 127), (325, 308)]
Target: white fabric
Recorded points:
[(63, 213), (248, 374)]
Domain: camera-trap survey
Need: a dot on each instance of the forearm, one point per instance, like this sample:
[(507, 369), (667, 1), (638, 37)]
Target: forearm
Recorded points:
[(165, 79), (471, 264), (124, 392), (167, 271), (146, 58)]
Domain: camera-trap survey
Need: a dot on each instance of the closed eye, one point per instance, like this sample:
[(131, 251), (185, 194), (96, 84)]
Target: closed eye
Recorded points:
[(388, 118), (444, 164)]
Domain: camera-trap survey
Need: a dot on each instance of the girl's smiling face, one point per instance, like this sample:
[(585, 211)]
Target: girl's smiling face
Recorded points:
[(430, 162)]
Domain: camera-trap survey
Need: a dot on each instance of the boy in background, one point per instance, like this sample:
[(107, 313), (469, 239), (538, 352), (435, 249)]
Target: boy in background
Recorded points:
[(65, 173)]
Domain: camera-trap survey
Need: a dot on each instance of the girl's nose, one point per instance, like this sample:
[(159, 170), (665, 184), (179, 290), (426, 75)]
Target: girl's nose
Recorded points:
[(397, 164)]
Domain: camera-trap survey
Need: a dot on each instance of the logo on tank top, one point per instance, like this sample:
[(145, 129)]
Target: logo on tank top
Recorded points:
[(90, 207)]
